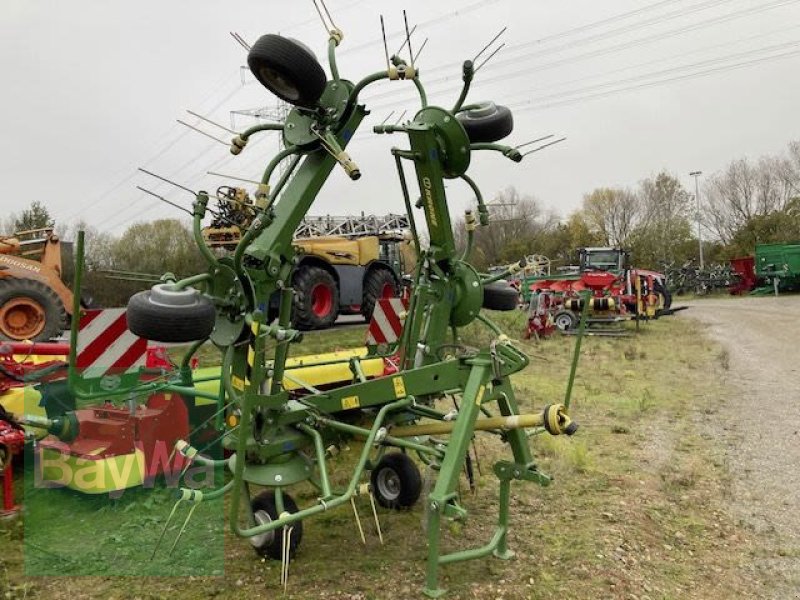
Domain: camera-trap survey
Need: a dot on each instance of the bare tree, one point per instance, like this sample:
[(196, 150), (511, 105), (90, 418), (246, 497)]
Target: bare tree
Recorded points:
[(612, 213)]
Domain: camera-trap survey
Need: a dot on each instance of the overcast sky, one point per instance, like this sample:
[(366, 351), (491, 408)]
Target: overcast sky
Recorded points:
[(92, 89)]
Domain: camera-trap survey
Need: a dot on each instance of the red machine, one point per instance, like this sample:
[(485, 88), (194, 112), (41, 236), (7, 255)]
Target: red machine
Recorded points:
[(12, 438), (540, 315), (744, 268)]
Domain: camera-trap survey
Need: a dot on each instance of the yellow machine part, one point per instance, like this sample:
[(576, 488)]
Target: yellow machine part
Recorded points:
[(340, 251), (90, 476)]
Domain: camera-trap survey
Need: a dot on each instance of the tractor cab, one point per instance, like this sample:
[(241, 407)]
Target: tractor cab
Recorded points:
[(603, 259)]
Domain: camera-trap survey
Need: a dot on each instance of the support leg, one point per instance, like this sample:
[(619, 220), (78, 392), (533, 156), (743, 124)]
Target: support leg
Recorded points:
[(502, 550)]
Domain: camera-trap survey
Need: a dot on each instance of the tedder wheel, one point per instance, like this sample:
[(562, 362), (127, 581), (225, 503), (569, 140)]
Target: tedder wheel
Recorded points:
[(488, 122), (162, 314), (288, 69), (396, 482), (30, 310), (665, 295), (270, 544), (380, 283), (565, 320), (316, 298), (500, 295)]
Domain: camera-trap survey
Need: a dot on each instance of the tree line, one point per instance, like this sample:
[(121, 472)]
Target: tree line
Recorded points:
[(749, 202)]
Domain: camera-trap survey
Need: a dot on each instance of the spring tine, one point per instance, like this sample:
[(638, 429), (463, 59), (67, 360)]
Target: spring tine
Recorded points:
[(421, 48), (408, 38), (234, 177), (541, 139), (413, 29), (375, 516), (321, 18), (183, 528), (178, 206), (164, 179), (239, 40), (492, 41), (400, 118), (285, 555), (330, 18), (163, 531), (201, 132), (385, 45), (488, 58), (207, 120), (358, 521), (387, 118), (542, 147)]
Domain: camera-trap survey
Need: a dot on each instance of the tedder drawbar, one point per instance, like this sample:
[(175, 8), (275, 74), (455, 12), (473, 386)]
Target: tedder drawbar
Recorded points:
[(278, 438)]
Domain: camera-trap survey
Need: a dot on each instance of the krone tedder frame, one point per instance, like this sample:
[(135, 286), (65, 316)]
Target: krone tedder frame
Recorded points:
[(279, 438)]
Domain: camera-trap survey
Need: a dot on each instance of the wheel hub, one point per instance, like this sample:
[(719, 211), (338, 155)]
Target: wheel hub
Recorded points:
[(262, 539), (321, 300), (388, 484), (22, 318)]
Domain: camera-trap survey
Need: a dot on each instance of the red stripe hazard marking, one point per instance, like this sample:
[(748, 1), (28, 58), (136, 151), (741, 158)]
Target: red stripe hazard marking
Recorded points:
[(95, 350)]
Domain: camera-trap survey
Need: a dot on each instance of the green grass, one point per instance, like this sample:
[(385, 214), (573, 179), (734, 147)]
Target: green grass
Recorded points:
[(634, 510)]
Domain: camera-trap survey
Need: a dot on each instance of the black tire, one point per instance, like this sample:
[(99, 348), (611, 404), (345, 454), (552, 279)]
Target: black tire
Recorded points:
[(270, 545), (396, 481), (500, 295), (666, 296), (287, 69), (46, 300), (488, 123), (376, 283), (152, 317), (307, 312), (565, 320)]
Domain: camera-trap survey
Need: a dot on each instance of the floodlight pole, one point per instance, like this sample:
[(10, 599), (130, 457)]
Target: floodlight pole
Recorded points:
[(697, 174)]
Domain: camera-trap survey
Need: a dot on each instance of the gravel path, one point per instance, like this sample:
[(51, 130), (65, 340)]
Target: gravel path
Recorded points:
[(759, 425)]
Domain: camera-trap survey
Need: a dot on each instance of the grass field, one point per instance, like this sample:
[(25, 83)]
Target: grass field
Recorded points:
[(635, 510)]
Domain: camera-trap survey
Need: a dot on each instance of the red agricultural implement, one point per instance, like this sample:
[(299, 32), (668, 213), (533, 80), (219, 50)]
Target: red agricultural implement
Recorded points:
[(744, 269), (618, 292)]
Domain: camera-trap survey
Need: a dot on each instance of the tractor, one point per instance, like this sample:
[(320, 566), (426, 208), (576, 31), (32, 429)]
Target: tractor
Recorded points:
[(35, 305)]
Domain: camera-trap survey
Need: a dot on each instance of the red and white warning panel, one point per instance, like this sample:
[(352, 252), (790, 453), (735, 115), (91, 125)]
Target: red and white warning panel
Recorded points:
[(106, 346), (387, 321)]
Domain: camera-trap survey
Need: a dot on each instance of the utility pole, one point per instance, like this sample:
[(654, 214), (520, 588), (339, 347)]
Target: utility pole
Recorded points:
[(697, 174)]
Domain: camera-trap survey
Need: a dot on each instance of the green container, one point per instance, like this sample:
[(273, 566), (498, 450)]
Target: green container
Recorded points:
[(781, 261)]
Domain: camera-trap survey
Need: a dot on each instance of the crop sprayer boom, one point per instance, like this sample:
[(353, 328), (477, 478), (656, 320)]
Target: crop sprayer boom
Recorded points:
[(278, 438)]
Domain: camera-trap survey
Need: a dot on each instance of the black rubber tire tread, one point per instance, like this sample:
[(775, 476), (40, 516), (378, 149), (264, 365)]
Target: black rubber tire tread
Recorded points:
[(491, 128), (500, 295), (55, 313), (373, 288), (572, 317), (170, 323), (662, 291), (293, 62), (409, 476), (303, 281), (266, 501)]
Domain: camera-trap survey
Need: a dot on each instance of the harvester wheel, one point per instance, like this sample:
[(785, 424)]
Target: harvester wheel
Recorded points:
[(316, 298), (380, 283), (162, 314), (396, 481), (665, 295), (500, 295), (270, 544), (288, 69), (30, 310), (565, 320), (488, 122)]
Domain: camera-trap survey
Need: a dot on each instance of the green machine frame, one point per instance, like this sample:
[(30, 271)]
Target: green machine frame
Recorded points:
[(278, 439)]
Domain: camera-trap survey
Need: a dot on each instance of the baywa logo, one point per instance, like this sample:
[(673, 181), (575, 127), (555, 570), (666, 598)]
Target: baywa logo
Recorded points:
[(56, 466)]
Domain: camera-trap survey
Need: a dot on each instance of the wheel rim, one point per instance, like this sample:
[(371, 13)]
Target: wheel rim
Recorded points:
[(263, 539), (22, 318), (388, 483), (321, 300), (563, 322), (387, 291), (279, 84)]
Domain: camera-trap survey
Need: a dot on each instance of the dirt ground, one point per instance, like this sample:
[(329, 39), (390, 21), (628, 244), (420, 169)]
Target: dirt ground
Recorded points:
[(759, 426)]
